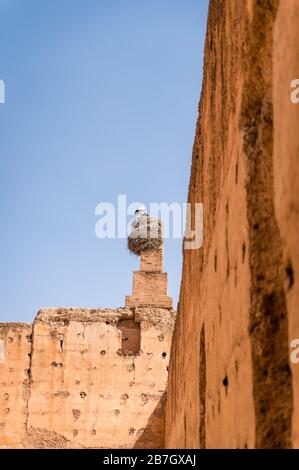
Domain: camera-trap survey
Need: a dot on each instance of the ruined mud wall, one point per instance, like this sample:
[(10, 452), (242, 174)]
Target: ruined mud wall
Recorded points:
[(231, 383), (15, 351), (85, 378), (96, 378)]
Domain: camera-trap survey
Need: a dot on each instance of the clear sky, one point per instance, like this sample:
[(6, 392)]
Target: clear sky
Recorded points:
[(101, 100)]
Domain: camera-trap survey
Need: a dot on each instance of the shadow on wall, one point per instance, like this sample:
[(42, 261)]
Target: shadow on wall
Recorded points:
[(153, 436)]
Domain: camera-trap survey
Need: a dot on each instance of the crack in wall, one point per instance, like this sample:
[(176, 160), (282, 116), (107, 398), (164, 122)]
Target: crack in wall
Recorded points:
[(28, 386), (202, 389)]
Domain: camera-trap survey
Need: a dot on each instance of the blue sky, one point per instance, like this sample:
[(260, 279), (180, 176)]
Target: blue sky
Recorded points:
[(101, 100)]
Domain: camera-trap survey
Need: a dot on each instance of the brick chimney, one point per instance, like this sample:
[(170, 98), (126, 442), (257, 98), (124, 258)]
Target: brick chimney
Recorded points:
[(150, 283)]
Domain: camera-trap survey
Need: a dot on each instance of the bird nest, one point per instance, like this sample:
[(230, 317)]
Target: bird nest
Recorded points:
[(146, 234)]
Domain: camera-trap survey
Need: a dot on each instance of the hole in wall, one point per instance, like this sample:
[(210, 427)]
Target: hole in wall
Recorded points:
[(56, 364), (61, 394), (124, 397), (237, 173), (289, 275), (164, 354), (140, 432), (145, 398), (225, 383), (243, 252), (76, 413)]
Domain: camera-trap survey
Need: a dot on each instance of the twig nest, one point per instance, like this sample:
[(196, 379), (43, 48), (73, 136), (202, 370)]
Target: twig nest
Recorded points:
[(146, 234)]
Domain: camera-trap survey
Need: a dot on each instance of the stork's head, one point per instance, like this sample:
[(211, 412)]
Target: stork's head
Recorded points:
[(141, 210)]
